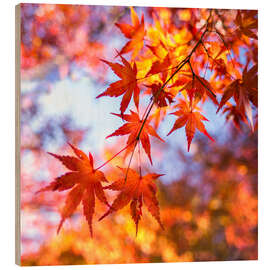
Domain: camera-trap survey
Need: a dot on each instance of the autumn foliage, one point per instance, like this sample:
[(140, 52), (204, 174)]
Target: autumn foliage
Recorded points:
[(175, 70)]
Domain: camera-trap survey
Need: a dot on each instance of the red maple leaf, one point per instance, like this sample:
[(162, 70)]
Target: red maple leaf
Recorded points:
[(199, 88), (133, 32), (136, 190), (243, 91), (161, 97), (192, 120), (247, 23), (132, 128), (234, 114), (126, 86), (85, 182)]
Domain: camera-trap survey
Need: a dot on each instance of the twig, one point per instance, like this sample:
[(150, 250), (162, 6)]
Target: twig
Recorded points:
[(114, 156), (131, 159), (140, 161)]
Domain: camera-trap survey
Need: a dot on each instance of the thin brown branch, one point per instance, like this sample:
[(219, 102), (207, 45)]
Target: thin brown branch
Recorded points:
[(140, 161), (114, 156), (152, 101), (131, 157), (180, 66)]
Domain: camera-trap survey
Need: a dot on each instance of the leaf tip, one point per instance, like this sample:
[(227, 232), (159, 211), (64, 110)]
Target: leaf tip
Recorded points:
[(60, 225), (100, 95)]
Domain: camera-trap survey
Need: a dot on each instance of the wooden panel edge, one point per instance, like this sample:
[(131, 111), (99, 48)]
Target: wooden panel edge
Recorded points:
[(17, 135)]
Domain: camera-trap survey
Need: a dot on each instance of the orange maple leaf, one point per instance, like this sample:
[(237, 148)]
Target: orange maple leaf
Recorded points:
[(135, 33), (133, 127), (192, 120), (160, 66), (127, 86), (85, 182), (136, 190)]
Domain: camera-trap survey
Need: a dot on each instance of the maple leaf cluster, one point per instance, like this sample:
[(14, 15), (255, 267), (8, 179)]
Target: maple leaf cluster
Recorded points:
[(85, 184), (170, 68), (167, 66)]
